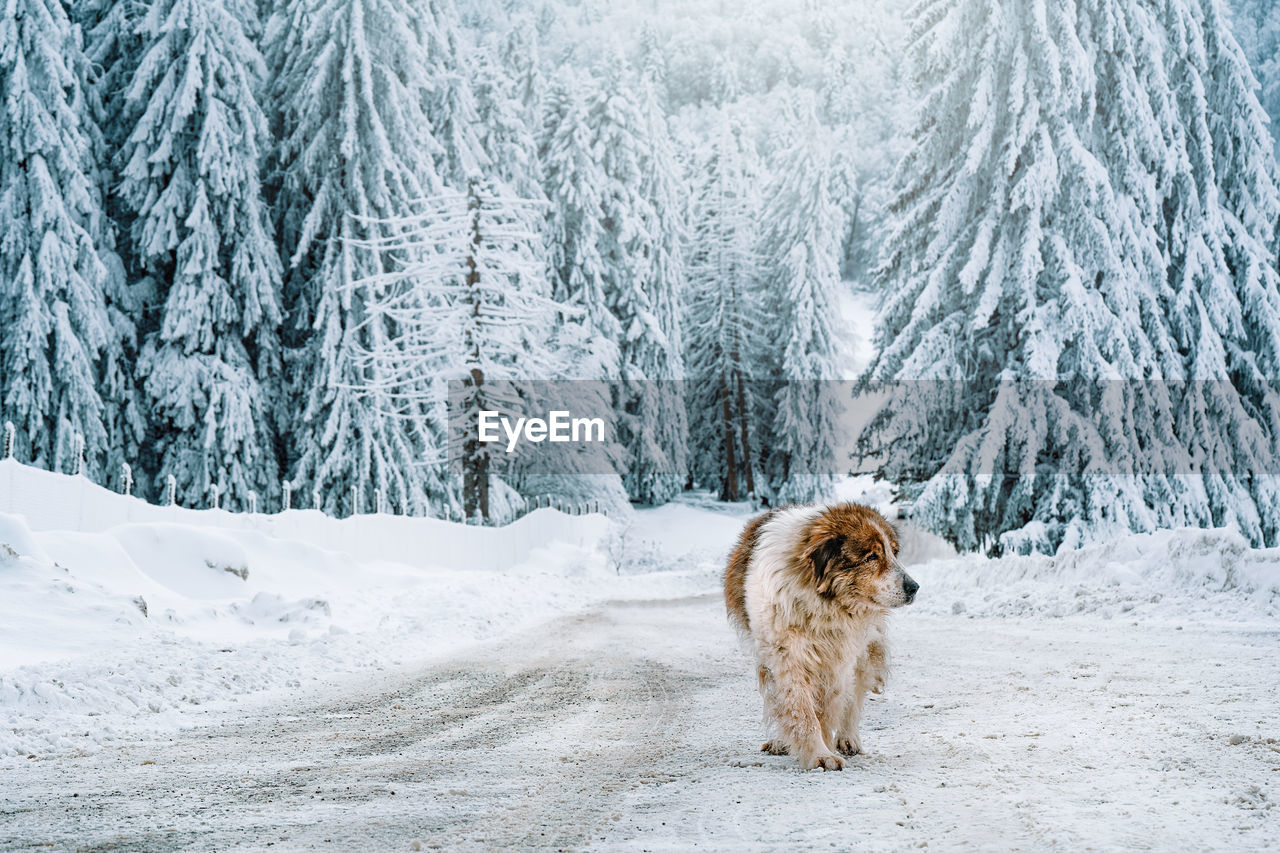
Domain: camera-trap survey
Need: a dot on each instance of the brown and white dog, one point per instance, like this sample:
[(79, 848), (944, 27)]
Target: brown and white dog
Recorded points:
[(810, 588)]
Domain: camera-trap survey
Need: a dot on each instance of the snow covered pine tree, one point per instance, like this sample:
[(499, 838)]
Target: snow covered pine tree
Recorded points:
[(1256, 24), (112, 47), (801, 249), (200, 233), (1084, 322), (351, 83), (55, 259), (640, 233), (723, 331), (467, 302)]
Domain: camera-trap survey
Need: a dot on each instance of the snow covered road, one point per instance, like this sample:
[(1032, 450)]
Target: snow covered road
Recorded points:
[(635, 726)]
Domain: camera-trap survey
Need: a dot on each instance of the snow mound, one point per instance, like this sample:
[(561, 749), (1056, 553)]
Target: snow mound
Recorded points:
[(1172, 575), (110, 632)]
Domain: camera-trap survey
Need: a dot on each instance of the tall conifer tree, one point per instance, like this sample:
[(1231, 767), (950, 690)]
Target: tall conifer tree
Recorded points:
[(351, 83), (1085, 221), (801, 251), (56, 265), (201, 233), (724, 334)]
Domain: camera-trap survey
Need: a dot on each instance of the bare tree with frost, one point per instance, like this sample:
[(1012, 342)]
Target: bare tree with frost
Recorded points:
[(468, 300)]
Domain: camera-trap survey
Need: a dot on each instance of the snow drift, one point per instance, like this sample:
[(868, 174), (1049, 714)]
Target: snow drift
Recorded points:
[(1168, 574), (120, 616)]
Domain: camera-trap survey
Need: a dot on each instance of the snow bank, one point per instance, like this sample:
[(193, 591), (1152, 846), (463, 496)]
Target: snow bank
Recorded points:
[(118, 618), (49, 501), (98, 629), (1172, 575)]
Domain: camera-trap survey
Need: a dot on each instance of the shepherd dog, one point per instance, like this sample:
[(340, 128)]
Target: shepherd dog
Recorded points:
[(810, 588)]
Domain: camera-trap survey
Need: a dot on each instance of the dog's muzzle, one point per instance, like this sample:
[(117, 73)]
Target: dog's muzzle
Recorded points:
[(909, 586)]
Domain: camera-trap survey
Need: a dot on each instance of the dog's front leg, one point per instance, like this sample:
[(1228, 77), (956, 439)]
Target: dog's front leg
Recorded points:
[(796, 709), (868, 677), (847, 740)]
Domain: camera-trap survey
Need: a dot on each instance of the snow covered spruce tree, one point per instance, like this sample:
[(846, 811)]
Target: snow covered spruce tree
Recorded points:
[(56, 263), (1083, 223), (447, 87), (644, 271), (1221, 212), (655, 429), (112, 49), (801, 249), (575, 182), (724, 335), (505, 134), (351, 82), (614, 230), (201, 235), (1256, 25)]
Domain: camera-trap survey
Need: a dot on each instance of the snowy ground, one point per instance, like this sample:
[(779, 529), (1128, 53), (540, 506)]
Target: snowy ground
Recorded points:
[(592, 695), (634, 726)]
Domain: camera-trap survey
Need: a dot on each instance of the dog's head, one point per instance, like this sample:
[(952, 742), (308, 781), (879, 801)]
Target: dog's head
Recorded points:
[(853, 554)]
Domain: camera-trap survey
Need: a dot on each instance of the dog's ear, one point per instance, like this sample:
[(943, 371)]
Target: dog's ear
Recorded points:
[(823, 557)]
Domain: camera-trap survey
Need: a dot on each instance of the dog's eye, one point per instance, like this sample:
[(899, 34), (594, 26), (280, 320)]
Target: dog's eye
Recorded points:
[(870, 558)]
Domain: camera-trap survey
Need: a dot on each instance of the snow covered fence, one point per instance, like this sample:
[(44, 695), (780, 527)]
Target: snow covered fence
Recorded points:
[(52, 501)]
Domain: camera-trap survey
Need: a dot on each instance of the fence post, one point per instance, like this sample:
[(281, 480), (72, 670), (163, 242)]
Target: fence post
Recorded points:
[(216, 491), (77, 447), (378, 506), (126, 479), (286, 496), (253, 503), (355, 500), (9, 434), (171, 491)]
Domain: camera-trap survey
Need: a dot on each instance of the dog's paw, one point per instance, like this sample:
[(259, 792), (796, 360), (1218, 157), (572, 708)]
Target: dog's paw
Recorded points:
[(774, 747), (826, 762), (848, 746)]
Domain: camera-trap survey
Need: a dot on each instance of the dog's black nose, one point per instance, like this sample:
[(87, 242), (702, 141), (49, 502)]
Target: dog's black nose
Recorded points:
[(909, 586)]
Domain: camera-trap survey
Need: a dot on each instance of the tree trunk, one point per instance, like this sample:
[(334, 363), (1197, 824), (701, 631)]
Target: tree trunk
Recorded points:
[(729, 486), (748, 463), (475, 456)]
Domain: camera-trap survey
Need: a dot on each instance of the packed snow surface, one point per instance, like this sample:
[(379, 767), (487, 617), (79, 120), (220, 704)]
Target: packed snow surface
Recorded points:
[(576, 684)]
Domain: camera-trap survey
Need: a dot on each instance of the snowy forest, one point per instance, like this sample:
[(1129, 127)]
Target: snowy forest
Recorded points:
[(255, 251)]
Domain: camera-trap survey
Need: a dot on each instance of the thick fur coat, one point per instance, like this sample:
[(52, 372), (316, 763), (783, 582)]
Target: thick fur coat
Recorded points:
[(810, 587)]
